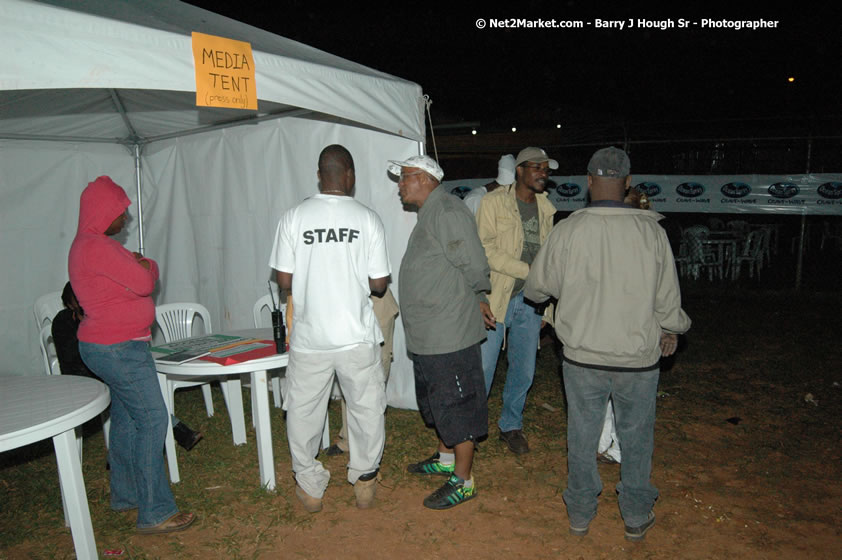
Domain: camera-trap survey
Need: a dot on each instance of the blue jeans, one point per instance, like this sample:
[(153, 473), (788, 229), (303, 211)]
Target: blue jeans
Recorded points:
[(524, 325), (138, 428), (634, 394)]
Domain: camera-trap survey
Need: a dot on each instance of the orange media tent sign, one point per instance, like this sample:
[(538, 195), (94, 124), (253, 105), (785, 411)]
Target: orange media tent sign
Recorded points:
[(224, 72)]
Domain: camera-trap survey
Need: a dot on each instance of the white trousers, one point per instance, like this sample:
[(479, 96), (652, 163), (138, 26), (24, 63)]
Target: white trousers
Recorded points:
[(306, 396), (608, 443)]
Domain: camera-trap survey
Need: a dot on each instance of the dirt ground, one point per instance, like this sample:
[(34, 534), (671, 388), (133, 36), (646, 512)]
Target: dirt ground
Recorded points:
[(747, 461)]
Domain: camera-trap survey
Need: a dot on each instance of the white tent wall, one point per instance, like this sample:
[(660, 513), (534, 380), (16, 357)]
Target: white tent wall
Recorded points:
[(84, 78), (40, 184), (211, 205), (217, 200)]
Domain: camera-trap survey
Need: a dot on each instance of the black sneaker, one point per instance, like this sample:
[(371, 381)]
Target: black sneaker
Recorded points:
[(638, 533), (431, 465), (186, 437), (516, 441), (452, 493), (334, 450)]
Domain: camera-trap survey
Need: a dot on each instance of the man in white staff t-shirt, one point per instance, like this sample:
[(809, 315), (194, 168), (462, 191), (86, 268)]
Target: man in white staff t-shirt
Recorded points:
[(331, 251)]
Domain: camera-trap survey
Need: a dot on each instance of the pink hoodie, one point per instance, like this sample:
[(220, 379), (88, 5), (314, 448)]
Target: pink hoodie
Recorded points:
[(111, 286)]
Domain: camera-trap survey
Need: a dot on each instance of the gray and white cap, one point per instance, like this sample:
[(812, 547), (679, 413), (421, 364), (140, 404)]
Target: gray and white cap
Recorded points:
[(425, 163), (609, 162)]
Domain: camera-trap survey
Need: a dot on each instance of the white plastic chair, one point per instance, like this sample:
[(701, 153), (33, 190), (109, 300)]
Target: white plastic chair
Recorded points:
[(752, 254), (257, 312), (48, 350), (699, 255), (176, 323), (265, 302), (46, 307), (716, 224), (831, 232), (51, 367)]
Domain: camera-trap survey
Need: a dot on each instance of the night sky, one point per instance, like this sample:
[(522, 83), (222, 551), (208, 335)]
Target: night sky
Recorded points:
[(530, 77)]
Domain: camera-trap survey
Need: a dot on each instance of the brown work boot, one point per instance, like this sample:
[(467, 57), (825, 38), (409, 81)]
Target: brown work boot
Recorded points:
[(311, 504), (364, 490)]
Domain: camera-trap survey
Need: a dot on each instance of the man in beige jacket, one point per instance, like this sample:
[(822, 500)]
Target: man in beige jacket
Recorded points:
[(513, 222), (619, 310)]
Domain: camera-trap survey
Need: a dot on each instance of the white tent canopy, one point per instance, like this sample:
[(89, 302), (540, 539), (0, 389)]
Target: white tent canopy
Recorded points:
[(84, 81), (135, 47)]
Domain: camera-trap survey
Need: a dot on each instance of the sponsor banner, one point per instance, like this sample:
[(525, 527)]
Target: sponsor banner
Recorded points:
[(712, 194)]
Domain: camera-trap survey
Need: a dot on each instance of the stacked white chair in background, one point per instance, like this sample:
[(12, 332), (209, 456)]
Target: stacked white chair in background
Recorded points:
[(699, 255), (751, 254), (279, 378), (831, 232)]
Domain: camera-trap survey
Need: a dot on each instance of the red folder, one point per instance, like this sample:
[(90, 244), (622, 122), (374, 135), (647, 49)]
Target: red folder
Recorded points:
[(244, 356)]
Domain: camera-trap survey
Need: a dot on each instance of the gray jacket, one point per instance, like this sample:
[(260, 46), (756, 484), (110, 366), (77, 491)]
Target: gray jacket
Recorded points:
[(443, 275)]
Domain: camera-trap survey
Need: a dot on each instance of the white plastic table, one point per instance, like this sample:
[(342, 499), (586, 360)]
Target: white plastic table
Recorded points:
[(262, 423), (33, 408)]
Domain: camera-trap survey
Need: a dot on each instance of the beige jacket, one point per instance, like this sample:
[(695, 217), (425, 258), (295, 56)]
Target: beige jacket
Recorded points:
[(613, 273), (501, 233)]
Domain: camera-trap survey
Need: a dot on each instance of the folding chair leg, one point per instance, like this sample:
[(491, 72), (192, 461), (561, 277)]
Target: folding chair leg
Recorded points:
[(276, 390), (233, 393), (206, 393), (169, 441), (79, 441), (253, 405), (106, 425)]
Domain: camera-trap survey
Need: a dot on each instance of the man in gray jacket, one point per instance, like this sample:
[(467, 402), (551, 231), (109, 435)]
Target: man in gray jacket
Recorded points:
[(611, 267), (443, 277)]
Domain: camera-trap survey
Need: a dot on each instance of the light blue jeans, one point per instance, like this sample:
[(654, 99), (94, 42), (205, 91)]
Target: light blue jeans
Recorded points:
[(138, 428), (634, 394), (524, 325)]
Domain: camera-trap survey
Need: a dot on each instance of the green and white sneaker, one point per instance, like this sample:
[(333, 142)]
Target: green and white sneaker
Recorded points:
[(452, 493), (431, 465)]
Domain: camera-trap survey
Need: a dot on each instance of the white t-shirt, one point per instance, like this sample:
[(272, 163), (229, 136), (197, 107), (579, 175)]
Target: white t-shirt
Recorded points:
[(473, 198), (331, 245)]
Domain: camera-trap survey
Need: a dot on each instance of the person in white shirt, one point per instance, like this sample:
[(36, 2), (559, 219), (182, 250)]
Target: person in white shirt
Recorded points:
[(505, 176), (330, 250)]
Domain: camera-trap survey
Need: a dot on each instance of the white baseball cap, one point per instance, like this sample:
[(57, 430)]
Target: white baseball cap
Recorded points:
[(425, 163)]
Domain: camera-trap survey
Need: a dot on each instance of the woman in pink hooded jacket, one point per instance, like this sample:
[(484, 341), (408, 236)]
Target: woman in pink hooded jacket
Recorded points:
[(113, 285)]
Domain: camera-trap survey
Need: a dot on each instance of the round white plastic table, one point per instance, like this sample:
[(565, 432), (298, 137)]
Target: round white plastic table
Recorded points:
[(33, 408), (262, 423)]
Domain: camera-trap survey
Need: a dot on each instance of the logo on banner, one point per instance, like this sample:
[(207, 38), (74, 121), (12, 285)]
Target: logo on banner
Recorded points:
[(735, 190), (568, 190), (832, 190), (649, 189), (783, 190), (690, 190)]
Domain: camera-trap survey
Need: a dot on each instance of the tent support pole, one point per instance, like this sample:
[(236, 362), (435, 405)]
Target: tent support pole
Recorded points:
[(137, 171)]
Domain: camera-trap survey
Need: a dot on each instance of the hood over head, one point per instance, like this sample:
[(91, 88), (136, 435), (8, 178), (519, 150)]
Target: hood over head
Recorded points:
[(101, 203)]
